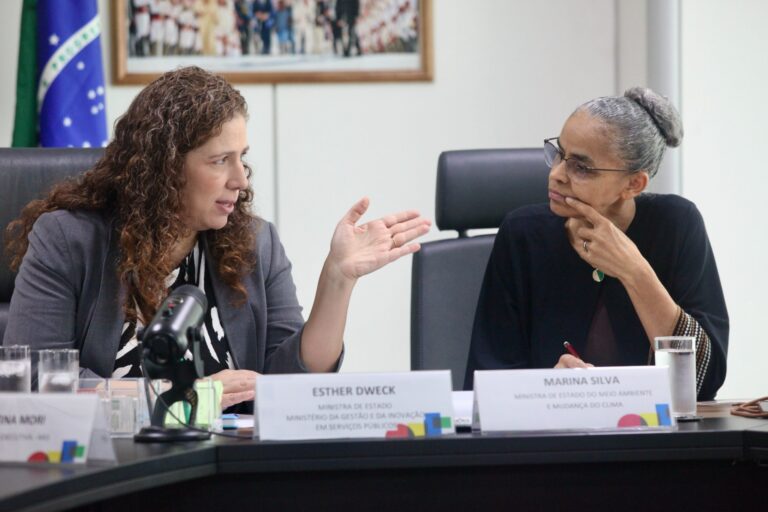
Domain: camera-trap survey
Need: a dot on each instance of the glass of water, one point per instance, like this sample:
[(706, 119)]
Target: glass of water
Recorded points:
[(124, 407), (58, 371), (679, 354), (15, 369)]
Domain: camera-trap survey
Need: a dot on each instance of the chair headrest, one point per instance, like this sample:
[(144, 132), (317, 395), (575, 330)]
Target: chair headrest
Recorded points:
[(27, 174), (477, 187)]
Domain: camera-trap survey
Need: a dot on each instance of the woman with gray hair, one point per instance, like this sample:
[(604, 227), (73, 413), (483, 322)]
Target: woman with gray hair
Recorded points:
[(603, 265)]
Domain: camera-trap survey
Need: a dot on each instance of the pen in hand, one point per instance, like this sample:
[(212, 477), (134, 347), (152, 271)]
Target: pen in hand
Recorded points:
[(571, 350)]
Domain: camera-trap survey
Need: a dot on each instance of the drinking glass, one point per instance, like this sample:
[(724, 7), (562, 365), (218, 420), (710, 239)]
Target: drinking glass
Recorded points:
[(93, 385), (58, 371), (124, 406), (15, 369), (679, 354)]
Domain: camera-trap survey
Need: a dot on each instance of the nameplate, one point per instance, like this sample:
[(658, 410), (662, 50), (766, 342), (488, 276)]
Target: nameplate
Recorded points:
[(344, 405), (568, 399), (53, 428)]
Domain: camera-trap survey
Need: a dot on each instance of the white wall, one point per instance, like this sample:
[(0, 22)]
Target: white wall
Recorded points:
[(10, 18), (632, 43), (725, 79), (507, 73)]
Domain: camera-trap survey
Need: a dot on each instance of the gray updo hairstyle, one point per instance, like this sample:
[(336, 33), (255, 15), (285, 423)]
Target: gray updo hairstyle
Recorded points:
[(644, 124)]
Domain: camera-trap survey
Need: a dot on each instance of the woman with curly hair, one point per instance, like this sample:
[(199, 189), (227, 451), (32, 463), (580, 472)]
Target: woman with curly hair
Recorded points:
[(169, 204)]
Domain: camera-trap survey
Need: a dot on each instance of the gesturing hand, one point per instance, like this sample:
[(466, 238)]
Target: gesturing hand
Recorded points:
[(360, 250), (600, 243)]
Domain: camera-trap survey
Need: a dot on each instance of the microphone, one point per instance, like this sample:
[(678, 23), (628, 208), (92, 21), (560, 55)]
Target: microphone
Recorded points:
[(168, 336), (174, 329)]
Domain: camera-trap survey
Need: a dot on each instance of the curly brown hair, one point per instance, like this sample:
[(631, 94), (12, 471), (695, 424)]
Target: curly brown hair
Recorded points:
[(139, 181)]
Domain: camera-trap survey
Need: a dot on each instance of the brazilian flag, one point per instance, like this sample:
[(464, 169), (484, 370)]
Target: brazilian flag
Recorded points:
[(60, 95)]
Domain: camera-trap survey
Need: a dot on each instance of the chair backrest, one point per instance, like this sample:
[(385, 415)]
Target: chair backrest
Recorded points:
[(475, 190), (27, 174)]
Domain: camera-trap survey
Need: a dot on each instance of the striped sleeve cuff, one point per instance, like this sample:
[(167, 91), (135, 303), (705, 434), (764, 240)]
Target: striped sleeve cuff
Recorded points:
[(687, 326)]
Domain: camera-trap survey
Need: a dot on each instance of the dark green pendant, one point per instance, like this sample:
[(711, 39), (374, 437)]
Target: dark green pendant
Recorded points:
[(598, 275)]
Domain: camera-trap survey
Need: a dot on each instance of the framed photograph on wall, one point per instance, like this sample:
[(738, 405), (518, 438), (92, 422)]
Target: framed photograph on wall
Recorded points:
[(272, 41)]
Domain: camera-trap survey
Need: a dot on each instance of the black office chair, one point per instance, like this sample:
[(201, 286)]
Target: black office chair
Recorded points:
[(27, 174), (475, 189)]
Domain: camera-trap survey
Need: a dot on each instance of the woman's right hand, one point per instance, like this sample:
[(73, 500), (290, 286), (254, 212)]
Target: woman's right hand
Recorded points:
[(357, 250), (569, 361), (239, 386)]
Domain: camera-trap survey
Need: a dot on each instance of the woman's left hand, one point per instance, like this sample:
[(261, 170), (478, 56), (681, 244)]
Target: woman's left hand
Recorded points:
[(237, 386), (600, 243), (357, 250)]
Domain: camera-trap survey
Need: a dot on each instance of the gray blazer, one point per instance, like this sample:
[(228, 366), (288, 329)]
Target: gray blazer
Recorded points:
[(67, 295)]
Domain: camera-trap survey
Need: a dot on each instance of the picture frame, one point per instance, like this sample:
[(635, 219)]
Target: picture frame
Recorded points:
[(317, 41)]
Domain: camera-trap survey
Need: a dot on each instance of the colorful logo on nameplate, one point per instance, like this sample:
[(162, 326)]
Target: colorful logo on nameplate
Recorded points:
[(433, 425), (660, 418), (70, 451)]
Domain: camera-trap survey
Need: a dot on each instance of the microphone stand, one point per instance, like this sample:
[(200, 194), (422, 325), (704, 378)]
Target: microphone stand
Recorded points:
[(182, 374)]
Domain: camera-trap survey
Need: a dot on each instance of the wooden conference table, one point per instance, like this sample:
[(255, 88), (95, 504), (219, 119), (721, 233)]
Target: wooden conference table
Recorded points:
[(720, 463)]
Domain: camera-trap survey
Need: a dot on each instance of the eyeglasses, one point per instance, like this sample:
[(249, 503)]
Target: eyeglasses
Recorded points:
[(575, 170)]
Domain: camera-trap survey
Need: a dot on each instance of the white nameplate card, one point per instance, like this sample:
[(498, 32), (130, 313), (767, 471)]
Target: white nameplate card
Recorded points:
[(568, 399), (343, 405), (53, 428)]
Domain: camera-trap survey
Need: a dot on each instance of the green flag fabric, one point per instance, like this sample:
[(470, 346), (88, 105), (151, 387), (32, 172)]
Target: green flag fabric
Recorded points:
[(25, 122)]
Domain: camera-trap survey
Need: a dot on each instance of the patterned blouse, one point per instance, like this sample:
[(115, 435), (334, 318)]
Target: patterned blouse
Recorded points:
[(214, 350)]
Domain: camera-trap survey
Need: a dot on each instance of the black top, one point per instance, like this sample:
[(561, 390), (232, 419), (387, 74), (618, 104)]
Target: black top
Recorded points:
[(537, 291)]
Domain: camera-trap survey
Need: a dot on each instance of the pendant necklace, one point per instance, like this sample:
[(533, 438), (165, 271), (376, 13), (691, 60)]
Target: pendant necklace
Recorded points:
[(598, 275)]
